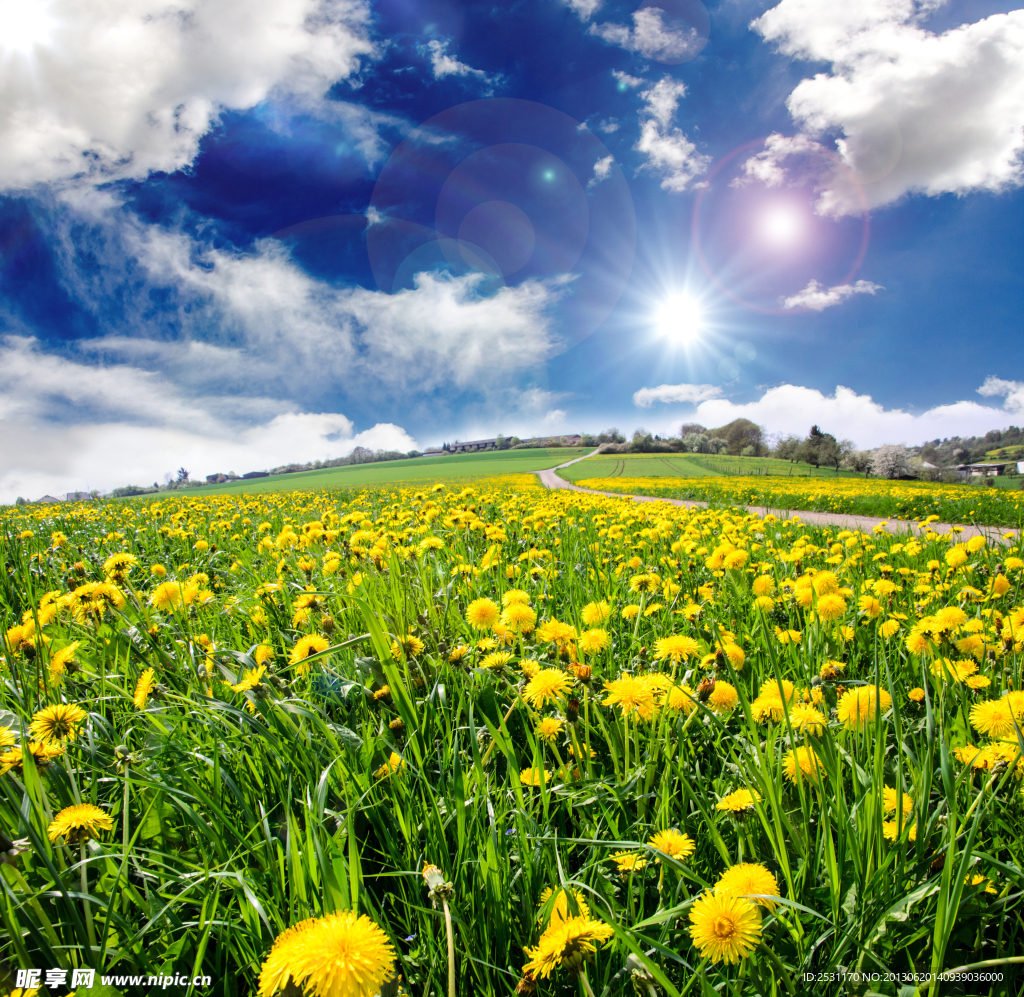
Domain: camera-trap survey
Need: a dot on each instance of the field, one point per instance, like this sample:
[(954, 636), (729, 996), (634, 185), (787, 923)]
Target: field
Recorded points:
[(909, 500), (534, 741), (394, 471), (692, 466)]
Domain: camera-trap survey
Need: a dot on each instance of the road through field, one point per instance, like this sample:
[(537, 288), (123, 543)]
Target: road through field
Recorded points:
[(550, 479)]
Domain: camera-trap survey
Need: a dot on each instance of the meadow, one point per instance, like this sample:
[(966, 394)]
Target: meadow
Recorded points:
[(689, 465), (498, 739), (423, 469), (856, 495)]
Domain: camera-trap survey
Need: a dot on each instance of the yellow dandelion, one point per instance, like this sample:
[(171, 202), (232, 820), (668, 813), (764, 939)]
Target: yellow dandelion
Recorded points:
[(496, 659), (723, 698), (534, 776), (392, 766), (593, 641), (549, 685), (339, 955), (59, 660), (566, 944), (559, 910), (304, 648), (482, 614), (549, 728), (673, 843), (57, 723), (806, 718), (893, 800), (78, 823), (627, 862), (519, 618), (675, 648), (738, 801), (143, 689), (724, 928), (596, 613), (802, 762), (632, 693), (891, 830), (992, 717), (861, 706), (750, 880)]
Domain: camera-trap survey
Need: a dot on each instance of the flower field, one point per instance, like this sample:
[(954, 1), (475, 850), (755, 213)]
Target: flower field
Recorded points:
[(910, 500), (497, 740)]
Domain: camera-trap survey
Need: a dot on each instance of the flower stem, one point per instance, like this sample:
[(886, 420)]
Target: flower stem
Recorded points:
[(86, 912), (451, 948), (586, 984)]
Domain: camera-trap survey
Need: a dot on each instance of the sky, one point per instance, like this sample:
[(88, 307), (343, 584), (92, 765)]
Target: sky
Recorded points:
[(241, 233)]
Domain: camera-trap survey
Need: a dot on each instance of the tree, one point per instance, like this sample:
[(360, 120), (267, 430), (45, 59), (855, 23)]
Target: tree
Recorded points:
[(892, 460), (182, 475), (718, 445), (501, 443), (740, 433), (692, 427), (696, 443), (788, 448), (820, 448)]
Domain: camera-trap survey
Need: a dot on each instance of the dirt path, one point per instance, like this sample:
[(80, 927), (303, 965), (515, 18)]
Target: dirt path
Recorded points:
[(550, 479)]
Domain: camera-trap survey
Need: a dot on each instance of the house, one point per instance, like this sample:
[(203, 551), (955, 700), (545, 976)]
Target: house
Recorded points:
[(48, 500), (990, 470), (433, 452), (473, 446), (78, 497)]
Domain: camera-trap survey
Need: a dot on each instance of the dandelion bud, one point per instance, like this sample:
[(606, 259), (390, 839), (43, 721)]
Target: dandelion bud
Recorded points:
[(78, 568), (527, 985), (327, 625), (572, 710), (704, 690), (439, 889), (397, 726)]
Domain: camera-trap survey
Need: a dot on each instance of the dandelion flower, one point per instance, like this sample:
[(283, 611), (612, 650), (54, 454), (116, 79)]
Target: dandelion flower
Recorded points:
[(519, 618), (496, 659), (143, 688), (861, 706), (750, 880), (627, 862), (566, 944), (554, 632), (60, 660), (57, 723), (802, 761), (738, 801), (482, 614), (992, 717), (673, 843), (534, 777), (889, 629), (340, 955), (891, 803), (724, 928), (891, 830), (548, 686), (393, 765), (632, 693), (723, 698), (79, 822), (675, 648), (806, 718), (593, 641), (596, 613), (549, 728), (515, 597), (560, 909), (408, 646), (831, 607), (307, 646)]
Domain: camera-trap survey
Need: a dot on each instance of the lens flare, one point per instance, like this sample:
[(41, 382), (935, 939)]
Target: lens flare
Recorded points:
[(25, 25), (781, 225), (679, 318)]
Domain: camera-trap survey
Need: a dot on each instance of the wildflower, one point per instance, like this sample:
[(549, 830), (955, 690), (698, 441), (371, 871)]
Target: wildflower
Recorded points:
[(560, 909), (60, 660), (627, 862), (305, 648), (458, 653), (143, 689), (408, 646), (723, 698), (681, 698), (548, 686), (992, 717), (593, 641), (482, 614), (889, 628), (78, 823), (519, 618), (117, 566), (751, 880), (802, 761), (567, 944), (675, 648), (861, 706), (673, 843), (554, 632), (738, 801), (171, 595), (869, 606), (630, 612), (893, 800), (534, 776), (724, 928), (57, 723), (891, 831), (549, 728), (250, 679), (806, 718), (6, 737), (262, 654), (393, 765), (644, 583), (496, 659), (595, 613), (632, 693), (916, 695), (515, 597), (339, 955), (763, 585), (830, 607)]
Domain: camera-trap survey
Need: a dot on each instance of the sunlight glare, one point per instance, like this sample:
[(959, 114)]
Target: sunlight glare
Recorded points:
[(24, 24), (679, 318), (781, 225)]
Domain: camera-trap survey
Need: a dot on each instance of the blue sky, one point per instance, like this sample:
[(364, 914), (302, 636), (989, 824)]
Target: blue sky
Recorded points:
[(234, 235)]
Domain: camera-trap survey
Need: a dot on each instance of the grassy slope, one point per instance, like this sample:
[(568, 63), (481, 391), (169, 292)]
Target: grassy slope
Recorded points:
[(691, 466), (415, 469)]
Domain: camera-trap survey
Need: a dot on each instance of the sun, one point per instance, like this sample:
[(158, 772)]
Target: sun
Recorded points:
[(24, 25), (781, 225), (679, 318)]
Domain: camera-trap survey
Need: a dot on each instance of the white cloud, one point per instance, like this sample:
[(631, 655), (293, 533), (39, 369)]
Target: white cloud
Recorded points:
[(442, 64), (916, 111), (583, 9), (556, 417), (127, 87), (651, 37), (691, 394), (625, 80), (1012, 391), (817, 298), (608, 126), (793, 409), (670, 154), (602, 170)]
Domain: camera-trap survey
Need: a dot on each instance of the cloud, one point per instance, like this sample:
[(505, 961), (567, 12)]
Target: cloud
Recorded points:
[(651, 37), (817, 298), (583, 9), (627, 81), (556, 417), (670, 154), (442, 64), (608, 126), (124, 88), (915, 111), (789, 408), (602, 169), (691, 394), (1013, 391)]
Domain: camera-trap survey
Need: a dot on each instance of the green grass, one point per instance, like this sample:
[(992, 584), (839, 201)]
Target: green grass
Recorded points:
[(393, 471), (693, 466)]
